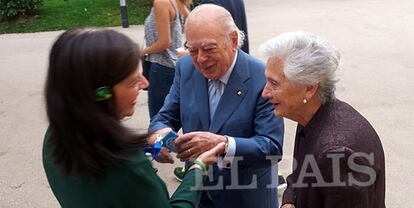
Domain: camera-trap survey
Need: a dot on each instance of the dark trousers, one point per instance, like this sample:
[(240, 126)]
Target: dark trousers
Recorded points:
[(160, 81)]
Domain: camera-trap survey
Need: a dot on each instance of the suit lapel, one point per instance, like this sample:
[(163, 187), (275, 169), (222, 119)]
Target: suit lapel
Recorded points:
[(201, 94), (234, 93)]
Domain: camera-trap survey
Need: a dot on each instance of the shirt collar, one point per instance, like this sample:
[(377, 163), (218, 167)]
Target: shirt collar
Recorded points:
[(225, 78)]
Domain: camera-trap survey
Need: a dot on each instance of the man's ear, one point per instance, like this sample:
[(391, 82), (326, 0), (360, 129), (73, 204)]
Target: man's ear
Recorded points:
[(234, 36), (311, 91)]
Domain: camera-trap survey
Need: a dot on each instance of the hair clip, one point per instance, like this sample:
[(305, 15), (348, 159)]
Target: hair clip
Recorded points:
[(103, 93)]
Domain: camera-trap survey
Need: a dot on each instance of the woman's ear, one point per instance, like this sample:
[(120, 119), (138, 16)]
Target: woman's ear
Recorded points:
[(311, 91)]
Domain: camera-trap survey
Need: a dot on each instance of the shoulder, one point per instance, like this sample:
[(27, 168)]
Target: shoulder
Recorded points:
[(251, 59), (185, 60), (255, 66), (349, 120), (251, 67), (185, 65), (161, 2), (342, 126), (161, 5)]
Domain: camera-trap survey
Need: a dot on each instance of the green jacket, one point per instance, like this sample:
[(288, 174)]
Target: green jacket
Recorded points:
[(135, 184)]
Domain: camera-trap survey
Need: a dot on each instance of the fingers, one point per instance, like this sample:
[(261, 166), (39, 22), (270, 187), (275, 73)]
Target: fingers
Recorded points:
[(184, 138), (186, 147), (164, 156), (218, 149), (210, 156), (191, 145), (189, 154)]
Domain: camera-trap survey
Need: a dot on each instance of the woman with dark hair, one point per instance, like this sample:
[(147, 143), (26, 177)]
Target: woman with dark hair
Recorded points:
[(90, 158)]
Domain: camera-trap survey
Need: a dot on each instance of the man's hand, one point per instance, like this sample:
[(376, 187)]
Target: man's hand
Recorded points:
[(190, 146), (288, 206), (164, 156)]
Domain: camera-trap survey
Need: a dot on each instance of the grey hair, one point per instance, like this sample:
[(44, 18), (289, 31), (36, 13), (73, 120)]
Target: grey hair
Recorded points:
[(307, 59), (231, 26), (228, 22)]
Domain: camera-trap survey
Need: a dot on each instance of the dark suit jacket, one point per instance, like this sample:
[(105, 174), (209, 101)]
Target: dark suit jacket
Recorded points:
[(246, 116), (237, 11), (135, 184), (343, 155)]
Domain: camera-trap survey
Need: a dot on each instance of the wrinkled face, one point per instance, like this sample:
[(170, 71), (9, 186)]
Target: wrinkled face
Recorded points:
[(211, 48), (286, 97), (126, 93)]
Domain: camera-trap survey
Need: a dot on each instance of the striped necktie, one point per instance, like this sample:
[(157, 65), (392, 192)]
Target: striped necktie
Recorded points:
[(214, 93)]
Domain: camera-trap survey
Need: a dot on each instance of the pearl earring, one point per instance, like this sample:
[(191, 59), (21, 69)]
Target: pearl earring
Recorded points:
[(305, 101)]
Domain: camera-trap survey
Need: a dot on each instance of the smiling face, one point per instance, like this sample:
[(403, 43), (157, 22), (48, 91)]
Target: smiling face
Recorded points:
[(126, 93), (286, 97), (211, 47)]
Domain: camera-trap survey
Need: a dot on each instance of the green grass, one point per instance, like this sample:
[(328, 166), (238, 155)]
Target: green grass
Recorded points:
[(61, 14)]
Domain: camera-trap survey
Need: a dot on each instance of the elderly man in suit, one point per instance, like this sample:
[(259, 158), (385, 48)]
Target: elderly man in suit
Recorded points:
[(216, 97)]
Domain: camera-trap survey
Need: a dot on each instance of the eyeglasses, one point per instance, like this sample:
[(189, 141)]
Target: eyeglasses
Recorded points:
[(206, 48)]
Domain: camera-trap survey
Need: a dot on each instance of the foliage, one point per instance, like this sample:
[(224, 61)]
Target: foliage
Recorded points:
[(61, 14), (11, 9)]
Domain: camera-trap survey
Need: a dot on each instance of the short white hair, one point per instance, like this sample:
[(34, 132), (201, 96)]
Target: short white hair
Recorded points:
[(231, 26), (224, 16), (307, 59)]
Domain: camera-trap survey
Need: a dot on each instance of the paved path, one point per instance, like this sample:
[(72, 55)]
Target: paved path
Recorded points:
[(374, 36)]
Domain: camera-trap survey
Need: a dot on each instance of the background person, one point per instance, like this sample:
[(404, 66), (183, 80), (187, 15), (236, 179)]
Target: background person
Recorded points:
[(163, 36), (216, 97), (90, 158), (334, 143)]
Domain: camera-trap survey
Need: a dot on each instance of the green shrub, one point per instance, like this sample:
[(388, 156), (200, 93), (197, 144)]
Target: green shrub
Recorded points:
[(11, 9)]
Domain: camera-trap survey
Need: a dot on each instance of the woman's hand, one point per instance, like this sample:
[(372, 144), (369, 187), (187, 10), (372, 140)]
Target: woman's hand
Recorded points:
[(210, 157), (152, 137), (181, 52)]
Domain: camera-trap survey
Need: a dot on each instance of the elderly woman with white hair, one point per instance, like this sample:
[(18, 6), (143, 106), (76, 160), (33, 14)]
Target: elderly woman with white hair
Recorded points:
[(339, 159)]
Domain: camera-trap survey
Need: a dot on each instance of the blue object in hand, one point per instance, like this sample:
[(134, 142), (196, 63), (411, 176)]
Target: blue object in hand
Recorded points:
[(168, 141), (154, 150)]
